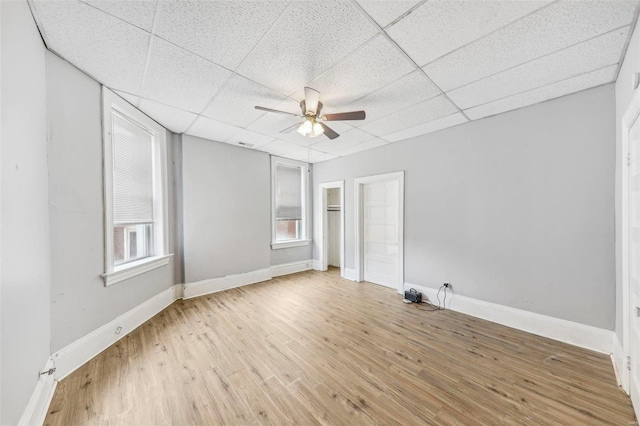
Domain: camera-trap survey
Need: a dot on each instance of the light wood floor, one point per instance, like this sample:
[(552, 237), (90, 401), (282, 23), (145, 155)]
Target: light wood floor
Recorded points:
[(312, 348)]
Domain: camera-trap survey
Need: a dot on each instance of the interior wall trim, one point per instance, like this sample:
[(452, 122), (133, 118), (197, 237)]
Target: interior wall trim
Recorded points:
[(38, 406), (584, 336), (215, 285), (291, 268), (619, 364), (350, 274)]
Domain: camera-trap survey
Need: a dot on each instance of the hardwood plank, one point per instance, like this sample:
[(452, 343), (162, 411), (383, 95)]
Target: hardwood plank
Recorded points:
[(312, 348)]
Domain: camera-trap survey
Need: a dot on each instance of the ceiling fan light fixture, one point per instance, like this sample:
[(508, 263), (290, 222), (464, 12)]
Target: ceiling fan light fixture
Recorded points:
[(311, 108), (306, 127), (317, 130), (310, 128)]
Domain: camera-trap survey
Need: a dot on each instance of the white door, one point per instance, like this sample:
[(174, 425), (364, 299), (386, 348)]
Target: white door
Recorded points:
[(381, 242), (634, 261)]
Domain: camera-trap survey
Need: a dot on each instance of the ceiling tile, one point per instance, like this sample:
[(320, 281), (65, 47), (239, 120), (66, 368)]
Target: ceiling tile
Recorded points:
[(386, 11), (418, 114), (253, 138), (558, 26), (139, 13), (279, 147), (370, 144), (347, 139), (322, 157), (408, 90), (372, 66), (333, 146), (235, 102), (179, 78), (561, 88), (132, 99), (171, 118), (105, 47), (590, 55), (432, 126), (306, 40), (303, 154), (221, 31), (438, 27), (213, 130), (272, 123)]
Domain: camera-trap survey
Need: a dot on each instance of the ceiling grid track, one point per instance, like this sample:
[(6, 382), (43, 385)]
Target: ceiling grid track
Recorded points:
[(632, 27), (405, 14), (147, 59), (540, 57), (490, 32), (545, 85), (515, 56), (403, 53), (236, 73)]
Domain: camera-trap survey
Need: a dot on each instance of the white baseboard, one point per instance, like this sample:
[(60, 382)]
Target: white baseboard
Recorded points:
[(585, 336), (618, 359), (38, 406), (292, 268), (214, 285), (71, 357), (178, 291), (317, 266), (349, 274)]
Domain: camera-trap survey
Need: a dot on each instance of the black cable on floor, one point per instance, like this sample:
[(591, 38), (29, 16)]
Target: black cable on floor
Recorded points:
[(432, 307)]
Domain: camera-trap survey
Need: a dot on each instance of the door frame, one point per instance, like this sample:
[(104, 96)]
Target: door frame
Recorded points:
[(631, 114), (323, 246), (359, 228)]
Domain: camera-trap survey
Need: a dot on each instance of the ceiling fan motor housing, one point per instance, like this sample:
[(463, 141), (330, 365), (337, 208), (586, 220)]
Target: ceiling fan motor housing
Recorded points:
[(303, 107)]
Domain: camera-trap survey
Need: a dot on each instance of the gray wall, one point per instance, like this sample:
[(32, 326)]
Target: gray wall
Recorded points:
[(292, 254), (515, 209), (227, 211), (624, 93), (24, 222), (80, 303)]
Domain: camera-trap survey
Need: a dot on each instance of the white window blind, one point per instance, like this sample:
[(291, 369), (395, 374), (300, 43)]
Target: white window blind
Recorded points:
[(132, 172), (288, 192)]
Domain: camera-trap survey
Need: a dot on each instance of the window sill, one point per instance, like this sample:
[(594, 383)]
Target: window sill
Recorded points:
[(130, 270), (288, 244)]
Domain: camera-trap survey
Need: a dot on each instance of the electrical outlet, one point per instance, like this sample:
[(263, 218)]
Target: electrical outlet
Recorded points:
[(447, 285), (118, 330)]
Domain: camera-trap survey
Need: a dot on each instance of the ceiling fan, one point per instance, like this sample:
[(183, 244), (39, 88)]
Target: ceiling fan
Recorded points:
[(313, 124)]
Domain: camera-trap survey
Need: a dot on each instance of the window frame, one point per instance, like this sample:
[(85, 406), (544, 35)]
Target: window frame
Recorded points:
[(306, 211), (161, 256)]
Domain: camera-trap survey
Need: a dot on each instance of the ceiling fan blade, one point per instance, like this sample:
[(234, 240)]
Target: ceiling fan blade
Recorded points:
[(311, 98), (291, 128), (343, 116), (329, 132), (276, 111)]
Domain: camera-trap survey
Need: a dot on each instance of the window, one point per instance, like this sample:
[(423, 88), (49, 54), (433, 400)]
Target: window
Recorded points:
[(289, 203), (135, 191)]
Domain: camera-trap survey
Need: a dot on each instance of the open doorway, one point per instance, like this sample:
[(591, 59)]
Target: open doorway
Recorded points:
[(331, 224)]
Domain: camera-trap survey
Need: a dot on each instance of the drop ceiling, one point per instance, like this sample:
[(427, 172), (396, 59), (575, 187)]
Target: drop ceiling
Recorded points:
[(415, 67)]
